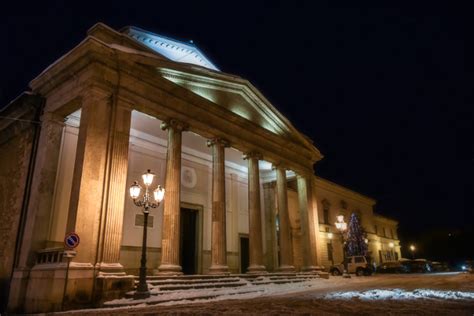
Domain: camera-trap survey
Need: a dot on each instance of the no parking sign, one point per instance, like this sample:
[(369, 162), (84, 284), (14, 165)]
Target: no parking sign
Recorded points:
[(71, 240)]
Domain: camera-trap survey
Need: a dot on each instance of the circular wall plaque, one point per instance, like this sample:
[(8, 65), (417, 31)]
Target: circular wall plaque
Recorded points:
[(188, 177)]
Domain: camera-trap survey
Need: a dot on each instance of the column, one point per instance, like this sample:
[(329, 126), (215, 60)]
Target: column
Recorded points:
[(117, 165), (218, 229), (255, 217), (286, 253), (172, 208), (88, 190), (307, 224)]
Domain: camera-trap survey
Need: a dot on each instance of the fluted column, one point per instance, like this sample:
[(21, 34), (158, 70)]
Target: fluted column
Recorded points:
[(171, 208), (307, 226), (255, 217), (90, 173), (218, 230), (111, 226), (286, 253)]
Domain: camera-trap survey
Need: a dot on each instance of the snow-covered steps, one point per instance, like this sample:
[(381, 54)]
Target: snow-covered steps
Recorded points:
[(173, 289)]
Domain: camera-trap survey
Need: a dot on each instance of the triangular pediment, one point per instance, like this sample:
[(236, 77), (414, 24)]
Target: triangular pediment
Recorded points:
[(173, 49), (239, 97)]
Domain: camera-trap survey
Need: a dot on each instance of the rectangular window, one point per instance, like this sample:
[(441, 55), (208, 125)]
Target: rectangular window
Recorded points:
[(326, 216), (391, 233), (376, 230), (330, 257), (383, 230)]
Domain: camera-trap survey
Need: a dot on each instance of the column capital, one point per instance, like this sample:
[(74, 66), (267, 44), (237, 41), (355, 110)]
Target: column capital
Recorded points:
[(280, 165), (181, 126), (217, 141), (252, 155)]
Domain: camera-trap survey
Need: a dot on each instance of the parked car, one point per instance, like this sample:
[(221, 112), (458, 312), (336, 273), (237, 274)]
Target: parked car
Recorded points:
[(359, 265), (439, 266), (418, 266), (393, 267)]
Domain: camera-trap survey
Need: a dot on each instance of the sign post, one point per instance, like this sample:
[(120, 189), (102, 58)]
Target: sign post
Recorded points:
[(71, 241)]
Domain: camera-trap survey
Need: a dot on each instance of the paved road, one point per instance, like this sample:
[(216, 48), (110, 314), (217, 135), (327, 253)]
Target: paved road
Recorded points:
[(415, 294)]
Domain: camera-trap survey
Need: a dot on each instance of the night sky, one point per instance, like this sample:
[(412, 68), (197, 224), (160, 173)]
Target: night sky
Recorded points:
[(385, 93)]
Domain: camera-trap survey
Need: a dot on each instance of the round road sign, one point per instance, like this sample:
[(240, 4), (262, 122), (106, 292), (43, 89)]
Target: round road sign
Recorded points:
[(71, 240)]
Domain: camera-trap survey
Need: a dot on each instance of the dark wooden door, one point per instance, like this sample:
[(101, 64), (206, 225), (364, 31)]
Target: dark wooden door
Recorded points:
[(244, 254), (188, 247)]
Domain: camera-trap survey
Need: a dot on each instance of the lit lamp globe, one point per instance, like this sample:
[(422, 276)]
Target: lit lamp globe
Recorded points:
[(159, 194), (148, 177), (391, 245), (135, 190)]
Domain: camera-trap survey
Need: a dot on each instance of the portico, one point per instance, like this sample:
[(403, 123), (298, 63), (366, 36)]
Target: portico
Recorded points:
[(114, 107)]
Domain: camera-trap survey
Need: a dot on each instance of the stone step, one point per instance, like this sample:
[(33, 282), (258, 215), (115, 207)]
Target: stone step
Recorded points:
[(198, 286), (190, 281), (166, 299)]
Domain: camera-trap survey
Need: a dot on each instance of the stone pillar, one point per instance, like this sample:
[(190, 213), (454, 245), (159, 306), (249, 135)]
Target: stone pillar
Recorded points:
[(286, 253), (90, 173), (218, 230), (307, 224), (255, 217), (172, 209), (114, 201)]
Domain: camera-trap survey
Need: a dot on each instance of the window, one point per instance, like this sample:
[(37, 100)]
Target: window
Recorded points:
[(326, 216), (383, 230), (330, 257), (326, 206), (376, 230), (391, 233)]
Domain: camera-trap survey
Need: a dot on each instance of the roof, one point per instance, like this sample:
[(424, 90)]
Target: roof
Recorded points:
[(173, 49)]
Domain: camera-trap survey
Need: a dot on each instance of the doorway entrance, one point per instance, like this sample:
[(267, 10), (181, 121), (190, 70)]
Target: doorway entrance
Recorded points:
[(189, 241), (244, 254)]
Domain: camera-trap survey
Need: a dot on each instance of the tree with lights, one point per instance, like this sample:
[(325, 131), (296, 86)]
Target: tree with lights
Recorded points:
[(356, 236)]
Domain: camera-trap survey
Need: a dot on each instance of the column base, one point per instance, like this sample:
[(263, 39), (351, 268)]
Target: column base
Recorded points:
[(110, 268), (286, 268), (218, 269), (310, 269), (256, 269), (169, 269)]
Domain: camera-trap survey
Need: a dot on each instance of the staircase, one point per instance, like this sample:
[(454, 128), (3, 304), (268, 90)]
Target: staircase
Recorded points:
[(169, 289)]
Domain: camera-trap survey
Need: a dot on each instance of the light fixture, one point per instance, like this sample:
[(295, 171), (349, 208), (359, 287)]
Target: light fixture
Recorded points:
[(146, 202), (148, 177)]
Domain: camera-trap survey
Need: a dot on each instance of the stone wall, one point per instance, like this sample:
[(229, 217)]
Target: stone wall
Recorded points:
[(16, 139)]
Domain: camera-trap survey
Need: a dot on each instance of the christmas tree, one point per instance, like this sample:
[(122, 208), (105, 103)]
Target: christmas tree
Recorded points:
[(355, 240)]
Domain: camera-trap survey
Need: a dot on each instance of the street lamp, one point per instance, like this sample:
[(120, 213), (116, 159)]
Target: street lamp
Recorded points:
[(330, 236), (412, 249), (342, 227), (146, 201)]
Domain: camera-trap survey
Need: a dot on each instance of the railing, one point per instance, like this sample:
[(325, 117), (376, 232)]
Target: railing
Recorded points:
[(49, 255)]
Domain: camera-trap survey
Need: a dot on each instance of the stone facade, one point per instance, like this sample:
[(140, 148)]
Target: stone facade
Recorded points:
[(241, 195), (333, 200)]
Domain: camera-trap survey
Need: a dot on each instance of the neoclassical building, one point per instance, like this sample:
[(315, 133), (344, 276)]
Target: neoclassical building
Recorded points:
[(241, 195)]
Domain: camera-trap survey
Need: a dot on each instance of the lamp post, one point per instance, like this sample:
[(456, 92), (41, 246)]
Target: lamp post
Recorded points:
[(330, 236), (412, 249), (342, 227), (145, 201)]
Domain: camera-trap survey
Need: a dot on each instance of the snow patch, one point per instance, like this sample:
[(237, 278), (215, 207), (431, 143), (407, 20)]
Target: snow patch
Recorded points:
[(400, 294)]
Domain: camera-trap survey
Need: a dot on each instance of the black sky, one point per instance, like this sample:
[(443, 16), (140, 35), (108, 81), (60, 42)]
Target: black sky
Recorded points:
[(385, 93)]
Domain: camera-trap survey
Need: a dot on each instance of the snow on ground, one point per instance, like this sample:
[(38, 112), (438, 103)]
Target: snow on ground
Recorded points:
[(412, 294)]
